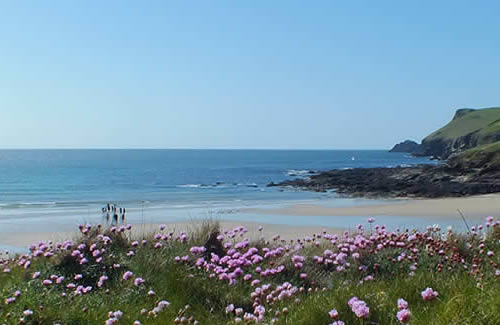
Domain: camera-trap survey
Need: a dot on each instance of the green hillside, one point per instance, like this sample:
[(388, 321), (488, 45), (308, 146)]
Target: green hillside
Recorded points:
[(467, 121), (468, 129), (486, 157)]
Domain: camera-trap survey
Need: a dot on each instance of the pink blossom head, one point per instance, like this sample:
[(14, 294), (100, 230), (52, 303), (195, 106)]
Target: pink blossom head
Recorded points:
[(127, 275), (402, 304), (333, 313), (429, 294), (404, 316)]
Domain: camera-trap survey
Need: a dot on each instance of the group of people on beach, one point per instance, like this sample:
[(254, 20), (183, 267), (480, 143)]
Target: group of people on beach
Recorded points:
[(114, 213)]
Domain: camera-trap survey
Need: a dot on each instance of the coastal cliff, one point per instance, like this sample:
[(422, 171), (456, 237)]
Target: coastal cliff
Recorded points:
[(468, 129), (469, 144)]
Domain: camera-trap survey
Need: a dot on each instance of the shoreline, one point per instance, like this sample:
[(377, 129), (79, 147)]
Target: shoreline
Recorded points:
[(291, 219)]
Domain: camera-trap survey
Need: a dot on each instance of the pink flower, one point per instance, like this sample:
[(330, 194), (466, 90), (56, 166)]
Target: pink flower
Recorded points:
[(138, 281), (10, 300), (127, 275), (163, 304), (339, 322), (359, 307), (229, 309), (255, 283), (333, 313), (404, 316), (402, 304), (429, 294), (47, 282), (27, 312)]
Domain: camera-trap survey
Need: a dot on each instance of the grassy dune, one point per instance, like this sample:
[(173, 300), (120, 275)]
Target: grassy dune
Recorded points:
[(215, 276)]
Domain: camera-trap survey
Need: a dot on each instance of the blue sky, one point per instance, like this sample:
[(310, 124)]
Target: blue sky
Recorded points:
[(241, 74)]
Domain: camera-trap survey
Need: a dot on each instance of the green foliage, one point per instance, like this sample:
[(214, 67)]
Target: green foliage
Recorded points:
[(464, 298)]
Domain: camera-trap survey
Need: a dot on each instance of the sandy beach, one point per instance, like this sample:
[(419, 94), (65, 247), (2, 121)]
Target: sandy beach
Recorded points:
[(398, 212), (471, 207), (24, 239)]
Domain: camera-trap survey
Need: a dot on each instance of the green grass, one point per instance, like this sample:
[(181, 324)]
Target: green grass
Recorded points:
[(466, 296), (486, 121), (484, 156)]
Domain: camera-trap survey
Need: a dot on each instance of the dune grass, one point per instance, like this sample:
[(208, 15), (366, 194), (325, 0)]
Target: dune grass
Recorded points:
[(266, 281)]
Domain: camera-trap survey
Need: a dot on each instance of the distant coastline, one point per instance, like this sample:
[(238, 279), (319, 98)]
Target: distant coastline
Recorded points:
[(469, 150)]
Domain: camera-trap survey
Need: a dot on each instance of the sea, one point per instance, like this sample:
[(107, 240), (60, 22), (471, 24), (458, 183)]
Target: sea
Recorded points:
[(58, 189), (52, 178)]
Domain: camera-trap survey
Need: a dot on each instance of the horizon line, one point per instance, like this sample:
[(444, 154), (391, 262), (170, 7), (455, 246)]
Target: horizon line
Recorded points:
[(182, 148)]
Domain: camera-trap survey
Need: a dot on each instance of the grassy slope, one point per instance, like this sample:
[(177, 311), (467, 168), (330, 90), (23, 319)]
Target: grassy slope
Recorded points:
[(487, 155), (487, 120), (464, 298)]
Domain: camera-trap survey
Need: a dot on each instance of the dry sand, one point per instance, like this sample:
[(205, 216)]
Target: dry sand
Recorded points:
[(475, 207), (24, 239)]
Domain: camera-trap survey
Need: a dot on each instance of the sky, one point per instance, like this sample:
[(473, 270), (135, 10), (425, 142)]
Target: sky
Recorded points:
[(241, 74)]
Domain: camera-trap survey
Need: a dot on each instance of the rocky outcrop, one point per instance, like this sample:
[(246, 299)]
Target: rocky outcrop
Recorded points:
[(408, 146), (425, 181)]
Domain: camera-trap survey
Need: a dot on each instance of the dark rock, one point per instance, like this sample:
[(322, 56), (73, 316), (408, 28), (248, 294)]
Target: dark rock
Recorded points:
[(430, 181), (405, 146)]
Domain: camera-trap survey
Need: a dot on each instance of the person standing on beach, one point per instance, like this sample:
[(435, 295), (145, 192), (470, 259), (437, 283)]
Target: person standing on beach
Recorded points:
[(123, 215)]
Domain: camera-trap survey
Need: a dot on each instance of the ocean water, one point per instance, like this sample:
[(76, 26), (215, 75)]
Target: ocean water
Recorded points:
[(72, 178)]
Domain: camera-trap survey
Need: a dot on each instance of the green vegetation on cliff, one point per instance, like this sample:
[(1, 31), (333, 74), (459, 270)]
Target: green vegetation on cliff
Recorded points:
[(486, 157), (468, 129)]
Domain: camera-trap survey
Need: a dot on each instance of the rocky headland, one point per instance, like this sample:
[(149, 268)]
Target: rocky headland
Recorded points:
[(469, 128), (408, 146), (469, 147)]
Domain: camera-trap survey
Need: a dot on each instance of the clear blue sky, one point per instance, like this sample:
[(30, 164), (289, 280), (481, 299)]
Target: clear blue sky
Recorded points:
[(241, 74)]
